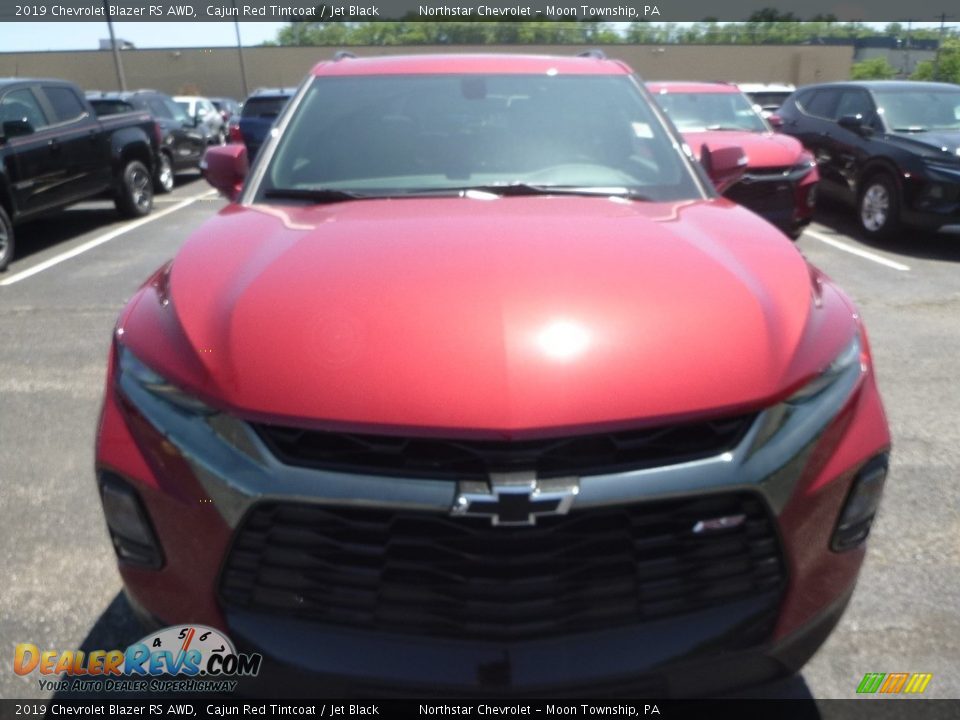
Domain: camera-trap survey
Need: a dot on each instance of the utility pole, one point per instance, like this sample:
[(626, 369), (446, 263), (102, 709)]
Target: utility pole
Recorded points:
[(121, 80), (936, 59), (243, 67)]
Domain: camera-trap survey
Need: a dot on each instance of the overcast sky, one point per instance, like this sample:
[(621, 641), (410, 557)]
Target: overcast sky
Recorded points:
[(18, 36), (26, 36)]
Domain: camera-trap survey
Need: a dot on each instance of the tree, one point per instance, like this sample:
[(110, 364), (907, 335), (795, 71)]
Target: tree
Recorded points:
[(949, 70), (874, 69)]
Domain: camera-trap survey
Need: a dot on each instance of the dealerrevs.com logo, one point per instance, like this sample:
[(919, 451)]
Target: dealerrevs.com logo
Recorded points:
[(182, 658)]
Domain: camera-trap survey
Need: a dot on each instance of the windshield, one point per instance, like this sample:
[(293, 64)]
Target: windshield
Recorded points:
[(695, 112), (917, 110), (421, 134)]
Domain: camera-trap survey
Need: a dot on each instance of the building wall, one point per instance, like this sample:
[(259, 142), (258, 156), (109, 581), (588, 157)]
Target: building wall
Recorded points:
[(217, 71)]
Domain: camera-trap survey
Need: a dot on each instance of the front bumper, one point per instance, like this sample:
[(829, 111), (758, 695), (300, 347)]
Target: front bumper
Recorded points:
[(198, 479)]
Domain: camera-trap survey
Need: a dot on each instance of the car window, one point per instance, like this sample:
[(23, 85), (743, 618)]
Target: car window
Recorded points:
[(66, 105), (855, 102), (109, 106), (264, 107), (159, 108), (397, 135), (22, 105), (178, 112), (820, 103)]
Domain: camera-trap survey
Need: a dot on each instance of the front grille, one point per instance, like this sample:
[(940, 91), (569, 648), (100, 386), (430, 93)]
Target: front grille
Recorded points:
[(763, 195), (475, 459), (432, 574)]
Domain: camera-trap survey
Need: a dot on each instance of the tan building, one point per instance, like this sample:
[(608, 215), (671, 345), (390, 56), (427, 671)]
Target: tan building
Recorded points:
[(216, 71)]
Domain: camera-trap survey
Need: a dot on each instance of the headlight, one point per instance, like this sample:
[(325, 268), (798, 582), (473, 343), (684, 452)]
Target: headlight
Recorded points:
[(804, 165), (849, 357), (948, 168), (133, 372), (804, 400)]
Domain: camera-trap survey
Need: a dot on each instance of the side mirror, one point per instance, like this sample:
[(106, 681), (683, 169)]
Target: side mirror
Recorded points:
[(776, 122), (725, 165), (225, 168), (854, 123), (15, 128)]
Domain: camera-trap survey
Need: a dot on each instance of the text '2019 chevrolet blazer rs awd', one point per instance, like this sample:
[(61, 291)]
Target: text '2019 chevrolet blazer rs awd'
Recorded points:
[(478, 385)]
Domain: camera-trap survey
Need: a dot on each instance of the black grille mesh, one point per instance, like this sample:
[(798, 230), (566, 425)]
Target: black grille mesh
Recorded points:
[(432, 574), (476, 459)]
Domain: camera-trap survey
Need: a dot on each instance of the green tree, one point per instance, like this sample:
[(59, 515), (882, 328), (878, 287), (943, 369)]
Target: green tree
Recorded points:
[(949, 68), (874, 69)]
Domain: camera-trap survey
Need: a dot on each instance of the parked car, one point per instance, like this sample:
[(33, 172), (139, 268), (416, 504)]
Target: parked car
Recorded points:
[(54, 152), (260, 110), (891, 148), (181, 144), (541, 412), (780, 183), (205, 117), (767, 97), (227, 107)]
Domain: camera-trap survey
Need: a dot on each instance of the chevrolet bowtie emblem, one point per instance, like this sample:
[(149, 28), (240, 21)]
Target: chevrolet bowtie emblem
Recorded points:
[(515, 499)]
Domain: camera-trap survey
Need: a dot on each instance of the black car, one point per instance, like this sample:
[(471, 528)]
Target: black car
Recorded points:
[(54, 153), (890, 147), (182, 145)]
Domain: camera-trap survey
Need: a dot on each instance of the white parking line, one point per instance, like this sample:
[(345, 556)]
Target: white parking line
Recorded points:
[(90, 244), (866, 254)]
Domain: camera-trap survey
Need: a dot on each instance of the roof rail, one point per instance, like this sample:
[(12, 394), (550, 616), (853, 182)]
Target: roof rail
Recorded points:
[(343, 55), (595, 53)]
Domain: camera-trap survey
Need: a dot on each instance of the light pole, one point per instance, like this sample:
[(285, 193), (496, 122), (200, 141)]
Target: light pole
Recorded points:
[(116, 52), (243, 67)]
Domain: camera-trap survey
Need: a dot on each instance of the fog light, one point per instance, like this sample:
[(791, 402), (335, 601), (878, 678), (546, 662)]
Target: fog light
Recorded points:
[(861, 506), (133, 538)]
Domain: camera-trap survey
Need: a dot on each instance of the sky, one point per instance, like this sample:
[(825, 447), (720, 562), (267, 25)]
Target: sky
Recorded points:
[(29, 36), (34, 36)]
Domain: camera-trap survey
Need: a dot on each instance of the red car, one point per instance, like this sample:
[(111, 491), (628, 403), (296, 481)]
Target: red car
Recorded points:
[(780, 183), (478, 386)]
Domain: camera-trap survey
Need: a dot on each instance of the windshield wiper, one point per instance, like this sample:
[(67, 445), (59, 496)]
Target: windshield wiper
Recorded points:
[(315, 195), (525, 189), (731, 128), (911, 129)]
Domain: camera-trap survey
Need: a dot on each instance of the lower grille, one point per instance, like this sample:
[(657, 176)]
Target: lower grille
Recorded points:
[(432, 574)]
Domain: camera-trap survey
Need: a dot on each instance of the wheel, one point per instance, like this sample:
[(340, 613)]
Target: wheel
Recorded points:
[(6, 240), (879, 207), (163, 179), (135, 198)]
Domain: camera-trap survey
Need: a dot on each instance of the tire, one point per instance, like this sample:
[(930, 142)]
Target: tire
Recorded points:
[(6, 240), (878, 207), (163, 178), (135, 197)]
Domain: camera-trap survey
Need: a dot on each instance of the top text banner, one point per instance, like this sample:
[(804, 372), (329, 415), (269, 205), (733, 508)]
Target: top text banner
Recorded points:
[(498, 10)]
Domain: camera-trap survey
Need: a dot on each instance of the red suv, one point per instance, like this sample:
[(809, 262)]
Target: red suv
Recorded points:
[(780, 183), (478, 386)]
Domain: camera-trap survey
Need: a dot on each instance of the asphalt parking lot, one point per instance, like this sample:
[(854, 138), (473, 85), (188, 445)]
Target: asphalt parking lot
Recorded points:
[(61, 296)]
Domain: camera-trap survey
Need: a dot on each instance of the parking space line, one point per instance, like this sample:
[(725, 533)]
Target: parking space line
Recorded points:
[(866, 254), (90, 244)]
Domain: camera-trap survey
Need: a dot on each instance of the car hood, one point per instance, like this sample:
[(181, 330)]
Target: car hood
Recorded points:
[(763, 149), (500, 317)]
